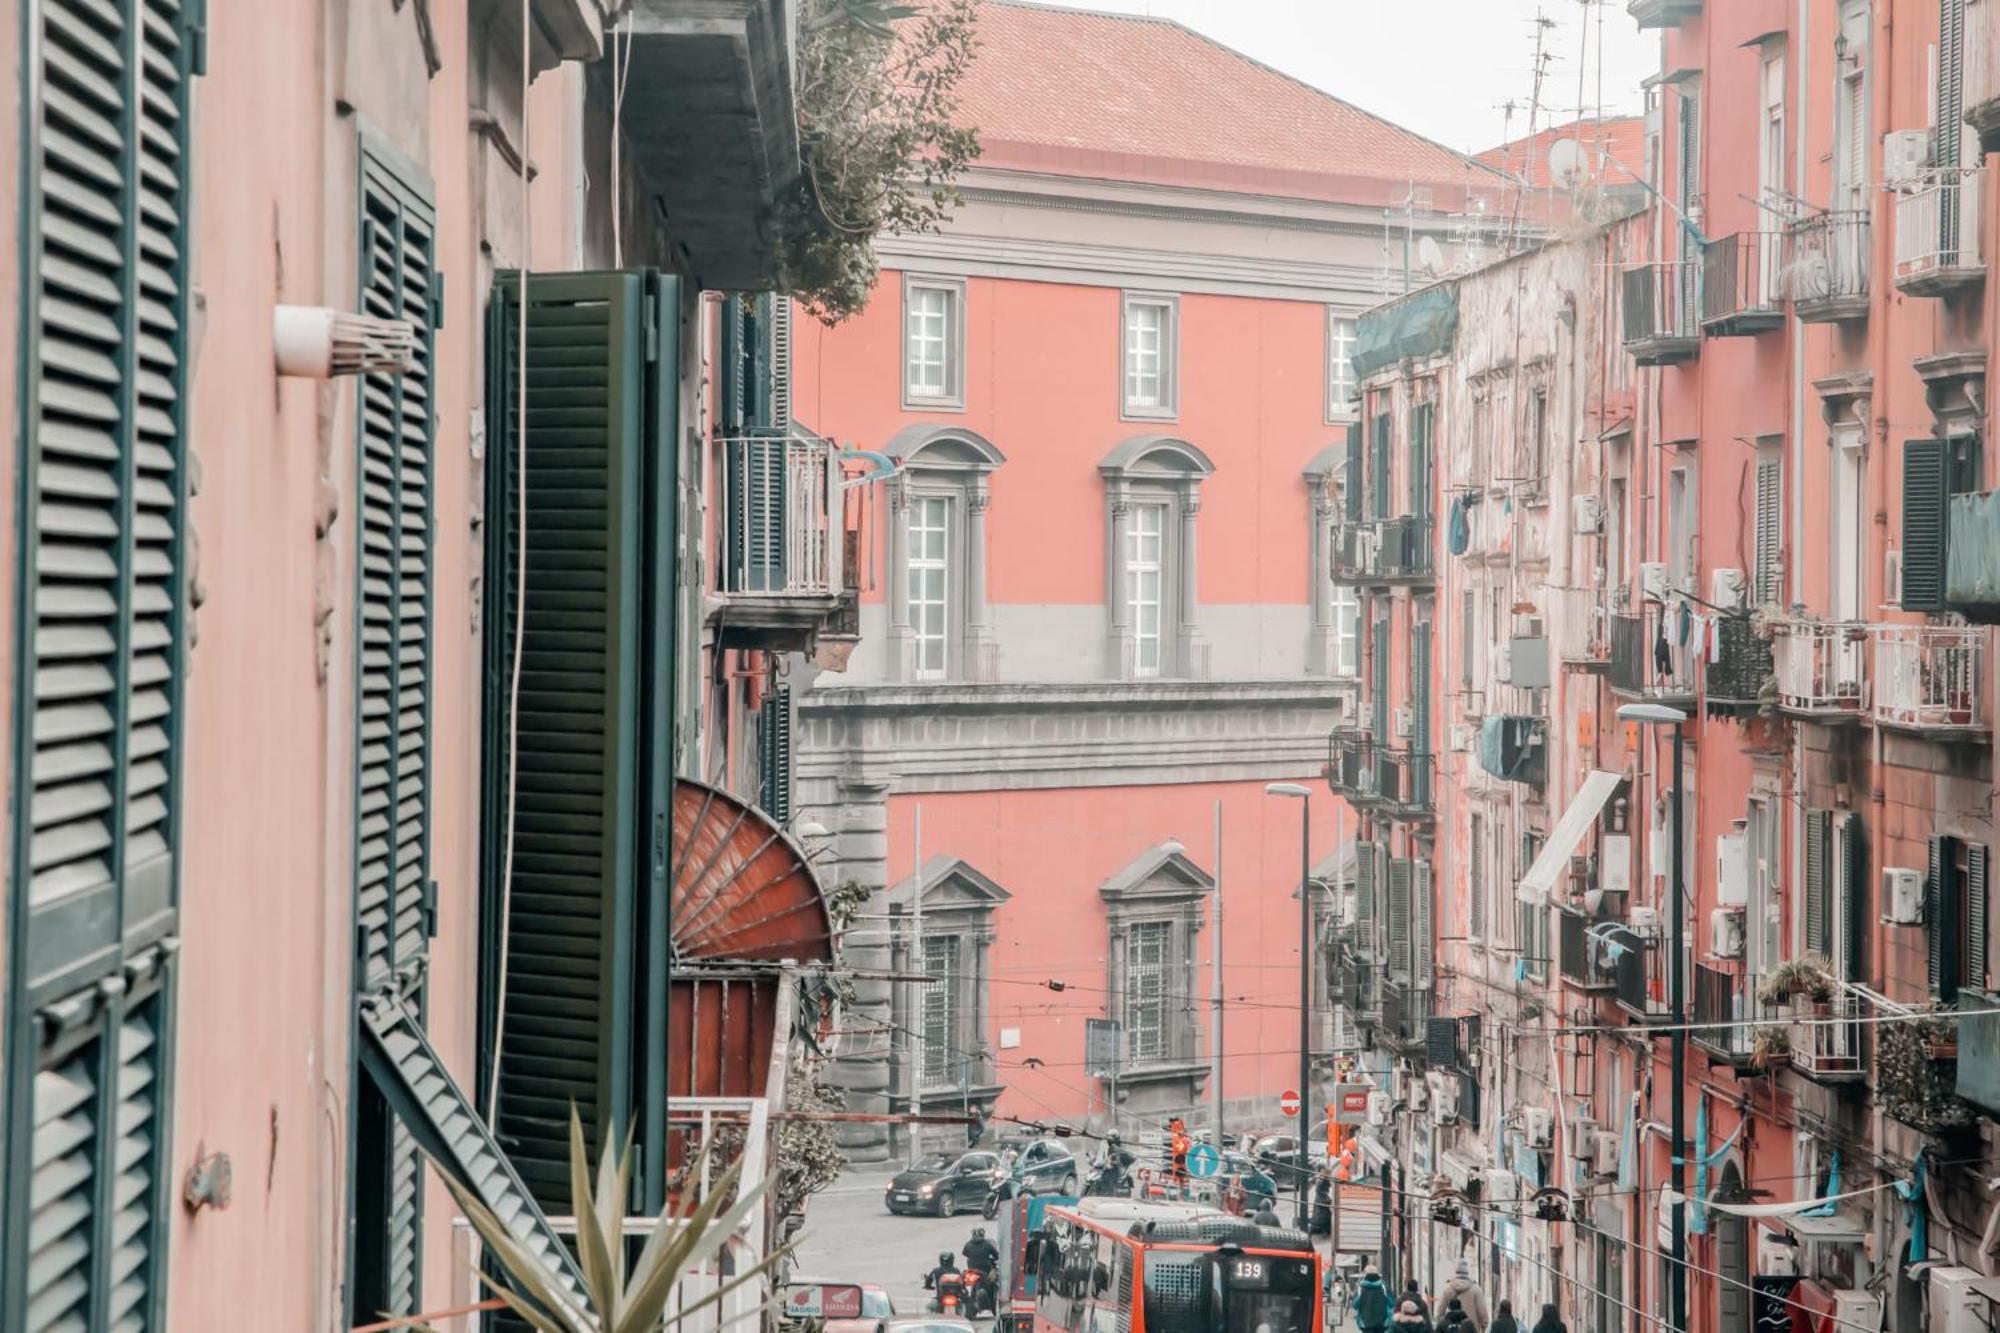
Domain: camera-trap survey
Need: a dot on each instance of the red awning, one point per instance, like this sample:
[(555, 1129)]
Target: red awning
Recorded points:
[(743, 891)]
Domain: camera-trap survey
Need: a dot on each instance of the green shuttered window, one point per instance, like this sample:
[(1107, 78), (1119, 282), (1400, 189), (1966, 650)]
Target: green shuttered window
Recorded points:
[(99, 661), (1924, 493), (594, 730)]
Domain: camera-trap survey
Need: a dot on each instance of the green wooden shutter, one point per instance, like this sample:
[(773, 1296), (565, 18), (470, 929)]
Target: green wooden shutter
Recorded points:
[(1379, 466), (1380, 681), (1765, 590), (397, 424), (1423, 939), (1351, 489), (1818, 924), (99, 660), (1924, 495), (1941, 917), (1366, 909), (775, 729), (585, 957), (1972, 970), (1475, 878), (1399, 919), (1420, 715), (1420, 459), (1950, 116), (1853, 901), (759, 483)]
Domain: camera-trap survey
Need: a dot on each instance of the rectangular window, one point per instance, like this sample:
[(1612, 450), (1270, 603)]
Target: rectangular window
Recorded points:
[(1680, 529), (1844, 532), (940, 1011), (1532, 938), (1766, 574), (930, 565), (933, 343), (1346, 630), (1475, 880), (1538, 437), (1148, 946), (1145, 573), (1339, 366), (1151, 346)]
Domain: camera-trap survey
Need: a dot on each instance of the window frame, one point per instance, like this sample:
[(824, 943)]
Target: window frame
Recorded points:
[(950, 637), (1167, 408), (952, 396), (1133, 566), (1159, 971), (1341, 331), (942, 991)]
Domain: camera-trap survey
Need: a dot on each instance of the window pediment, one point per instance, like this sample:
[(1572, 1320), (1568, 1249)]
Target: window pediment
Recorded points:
[(951, 884), (1158, 456), (1162, 873), (942, 446)]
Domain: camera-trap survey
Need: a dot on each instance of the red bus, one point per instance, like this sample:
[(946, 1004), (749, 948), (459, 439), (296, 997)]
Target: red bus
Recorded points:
[(1128, 1266)]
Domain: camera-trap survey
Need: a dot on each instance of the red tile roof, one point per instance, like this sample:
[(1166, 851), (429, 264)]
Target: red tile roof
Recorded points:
[(1624, 137), (1123, 97)]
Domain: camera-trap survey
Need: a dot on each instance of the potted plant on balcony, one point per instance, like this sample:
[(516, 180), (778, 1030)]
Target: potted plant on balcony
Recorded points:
[(1770, 1048), (1917, 1073), (1808, 977)]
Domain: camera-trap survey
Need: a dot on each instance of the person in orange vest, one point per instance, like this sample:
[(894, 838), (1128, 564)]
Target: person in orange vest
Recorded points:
[(1177, 1130)]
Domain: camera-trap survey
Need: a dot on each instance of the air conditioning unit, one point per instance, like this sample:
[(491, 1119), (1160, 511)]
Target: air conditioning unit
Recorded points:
[(1892, 578), (1497, 1185), (1902, 896), (1732, 870), (1725, 932), (1405, 720), (1378, 1109), (1605, 1154), (1503, 671), (1906, 155), (1461, 737), (1955, 1305), (1644, 922), (1858, 1309), (1653, 581), (1725, 588), (1777, 1254), (1586, 514), (1443, 1091), (1583, 1133), (1538, 1123)]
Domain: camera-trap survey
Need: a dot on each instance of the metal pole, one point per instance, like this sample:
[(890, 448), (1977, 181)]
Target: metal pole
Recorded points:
[(1679, 997), (1305, 1001), (914, 1016), (1215, 985)]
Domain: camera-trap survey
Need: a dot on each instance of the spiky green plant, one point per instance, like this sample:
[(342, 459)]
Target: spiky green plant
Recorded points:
[(619, 1301)]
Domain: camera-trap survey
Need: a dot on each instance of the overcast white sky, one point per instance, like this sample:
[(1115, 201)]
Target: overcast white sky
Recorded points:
[(1441, 67)]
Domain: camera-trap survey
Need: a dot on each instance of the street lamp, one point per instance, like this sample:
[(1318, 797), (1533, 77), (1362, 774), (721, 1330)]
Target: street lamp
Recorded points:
[(1304, 796), (1659, 715)]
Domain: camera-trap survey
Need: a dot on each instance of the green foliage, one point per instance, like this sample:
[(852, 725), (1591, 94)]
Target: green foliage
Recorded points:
[(1912, 1084), (1810, 975), (877, 96), (809, 1156), (845, 902)]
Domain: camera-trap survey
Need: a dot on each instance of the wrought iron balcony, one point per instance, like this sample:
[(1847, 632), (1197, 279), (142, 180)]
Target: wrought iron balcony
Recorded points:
[(1725, 1015), (1741, 292), (1660, 305), (1583, 953), (783, 573), (1740, 672), (1406, 1013), (1927, 678), (1829, 267), (1826, 1040), (1351, 768), (1385, 550), (1404, 784), (1635, 669), (1640, 967), (1937, 232), (1822, 669), (1663, 13)]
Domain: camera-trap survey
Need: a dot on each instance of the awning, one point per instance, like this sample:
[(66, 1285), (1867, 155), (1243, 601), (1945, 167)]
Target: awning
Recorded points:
[(1842, 1228), (1567, 835)]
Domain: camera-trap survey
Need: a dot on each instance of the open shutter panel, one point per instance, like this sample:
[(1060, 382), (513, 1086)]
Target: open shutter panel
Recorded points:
[(1421, 936), (62, 1186), (1765, 575), (393, 690), (1818, 939), (1353, 492), (1924, 496), (1420, 439), (424, 1098), (1851, 904), (1950, 98), (776, 726), (580, 836), (1379, 681), (776, 341), (1475, 879), (1941, 919), (136, 1282), (1366, 907), (1378, 477), (1972, 971), (1399, 919)]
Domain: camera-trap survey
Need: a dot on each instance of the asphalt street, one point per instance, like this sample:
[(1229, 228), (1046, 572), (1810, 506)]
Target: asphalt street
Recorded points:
[(850, 1235)]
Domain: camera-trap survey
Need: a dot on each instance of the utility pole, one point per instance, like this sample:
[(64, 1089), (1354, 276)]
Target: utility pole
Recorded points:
[(1215, 986), (1680, 1039), (913, 1015)]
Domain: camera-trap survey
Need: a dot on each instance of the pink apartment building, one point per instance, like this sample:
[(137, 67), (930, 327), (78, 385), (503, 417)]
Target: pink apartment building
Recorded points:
[(1096, 612)]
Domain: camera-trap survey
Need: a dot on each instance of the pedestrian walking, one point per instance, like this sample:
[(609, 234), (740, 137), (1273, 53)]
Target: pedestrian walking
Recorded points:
[(1410, 1319), (1455, 1319), (1415, 1295), (1550, 1322), (1468, 1293), (1503, 1319), (1371, 1300), (1267, 1216)]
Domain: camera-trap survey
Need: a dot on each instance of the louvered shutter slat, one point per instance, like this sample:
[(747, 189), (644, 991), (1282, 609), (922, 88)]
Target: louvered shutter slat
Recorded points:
[(1852, 904), (1366, 908), (1765, 576), (61, 1187), (1940, 921), (1924, 497), (1399, 919), (1422, 942), (136, 1188), (1815, 895), (1973, 970), (1352, 496)]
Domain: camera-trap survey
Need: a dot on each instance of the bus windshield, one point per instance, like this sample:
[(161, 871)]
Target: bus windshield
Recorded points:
[(1265, 1312)]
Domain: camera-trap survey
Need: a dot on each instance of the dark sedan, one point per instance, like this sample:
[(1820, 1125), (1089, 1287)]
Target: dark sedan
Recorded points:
[(945, 1183)]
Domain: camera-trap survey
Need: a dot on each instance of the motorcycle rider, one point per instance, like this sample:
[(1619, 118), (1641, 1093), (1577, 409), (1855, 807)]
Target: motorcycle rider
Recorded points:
[(946, 1263), (983, 1255), (1108, 1172)]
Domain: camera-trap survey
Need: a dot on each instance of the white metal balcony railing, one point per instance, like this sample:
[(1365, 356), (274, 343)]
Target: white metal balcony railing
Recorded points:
[(1937, 225), (1826, 1040), (1927, 676), (1822, 668), (1829, 260), (781, 516)]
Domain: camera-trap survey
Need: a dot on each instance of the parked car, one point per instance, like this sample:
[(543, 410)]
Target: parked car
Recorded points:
[(944, 1183), (1279, 1153)]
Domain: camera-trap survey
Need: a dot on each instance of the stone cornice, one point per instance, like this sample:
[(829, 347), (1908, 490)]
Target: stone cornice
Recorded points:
[(1111, 696)]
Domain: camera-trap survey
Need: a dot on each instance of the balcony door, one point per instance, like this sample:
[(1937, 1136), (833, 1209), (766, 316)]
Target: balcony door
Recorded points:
[(1773, 203)]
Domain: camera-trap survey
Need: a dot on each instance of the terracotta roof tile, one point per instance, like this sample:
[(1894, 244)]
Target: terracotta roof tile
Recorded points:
[(1624, 137), (1079, 92)]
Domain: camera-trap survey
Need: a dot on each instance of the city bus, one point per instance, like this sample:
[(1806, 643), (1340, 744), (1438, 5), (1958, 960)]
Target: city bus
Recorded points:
[(1131, 1266)]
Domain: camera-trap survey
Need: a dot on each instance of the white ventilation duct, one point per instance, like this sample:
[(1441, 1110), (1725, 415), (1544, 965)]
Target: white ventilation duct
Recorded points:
[(319, 342)]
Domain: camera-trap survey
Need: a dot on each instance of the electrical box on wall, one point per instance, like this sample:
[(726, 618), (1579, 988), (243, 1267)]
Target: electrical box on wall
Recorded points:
[(1732, 870), (1906, 154), (1725, 932), (1653, 581)]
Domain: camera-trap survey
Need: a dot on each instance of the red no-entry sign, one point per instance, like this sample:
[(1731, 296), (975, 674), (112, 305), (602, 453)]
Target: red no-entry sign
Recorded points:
[(1288, 1103)]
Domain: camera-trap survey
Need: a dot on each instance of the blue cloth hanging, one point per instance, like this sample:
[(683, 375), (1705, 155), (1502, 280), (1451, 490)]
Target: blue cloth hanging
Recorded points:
[(1459, 537), (1628, 1149), (1832, 1188), (1697, 1215), (1911, 1192)]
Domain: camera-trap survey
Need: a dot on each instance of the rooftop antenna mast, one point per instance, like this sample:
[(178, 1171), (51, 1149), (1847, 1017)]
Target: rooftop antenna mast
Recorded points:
[(1542, 23)]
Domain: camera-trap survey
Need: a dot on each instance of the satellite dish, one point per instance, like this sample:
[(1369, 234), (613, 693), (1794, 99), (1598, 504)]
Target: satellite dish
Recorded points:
[(1430, 255), (1567, 163)]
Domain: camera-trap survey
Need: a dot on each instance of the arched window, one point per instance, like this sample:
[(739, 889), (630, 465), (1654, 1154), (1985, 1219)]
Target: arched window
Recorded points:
[(939, 626), (1152, 494)]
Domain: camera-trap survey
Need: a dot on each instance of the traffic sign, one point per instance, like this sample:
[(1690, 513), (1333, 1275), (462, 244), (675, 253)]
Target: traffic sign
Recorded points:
[(1203, 1160), (1288, 1103)]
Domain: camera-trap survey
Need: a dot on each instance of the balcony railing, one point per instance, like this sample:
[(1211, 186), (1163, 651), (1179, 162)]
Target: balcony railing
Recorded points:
[(1351, 769), (1403, 783), (1406, 1012), (1635, 671), (1725, 1014), (1927, 678), (1660, 327), (1583, 953), (1826, 1040), (1385, 550), (1740, 669), (1583, 633), (781, 507), (1937, 232), (1822, 669), (1741, 292), (1829, 267), (1640, 966)]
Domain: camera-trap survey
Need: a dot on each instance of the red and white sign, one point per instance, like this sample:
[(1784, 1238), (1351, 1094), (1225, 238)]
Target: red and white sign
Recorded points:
[(823, 1301), (1288, 1103)]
